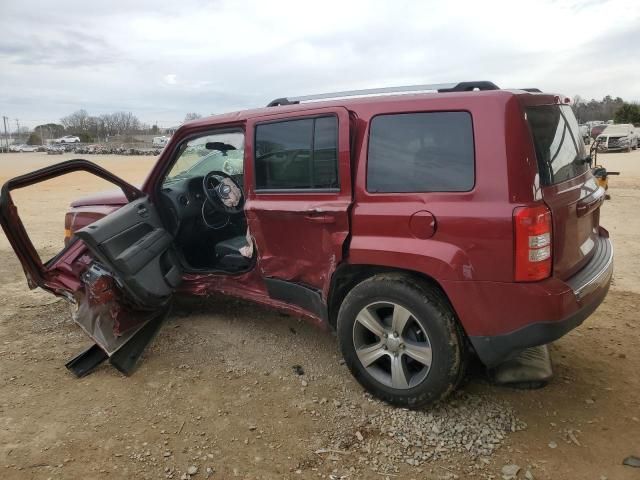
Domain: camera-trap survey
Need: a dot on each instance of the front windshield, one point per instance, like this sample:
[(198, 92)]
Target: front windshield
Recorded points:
[(219, 151)]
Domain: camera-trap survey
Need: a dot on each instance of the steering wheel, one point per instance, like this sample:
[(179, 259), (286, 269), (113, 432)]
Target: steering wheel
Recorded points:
[(223, 193)]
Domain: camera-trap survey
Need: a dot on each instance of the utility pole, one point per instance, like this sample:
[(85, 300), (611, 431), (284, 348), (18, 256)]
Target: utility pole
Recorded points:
[(17, 128), (6, 138)]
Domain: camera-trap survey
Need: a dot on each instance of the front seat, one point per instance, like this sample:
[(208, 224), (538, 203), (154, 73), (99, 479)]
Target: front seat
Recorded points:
[(229, 256)]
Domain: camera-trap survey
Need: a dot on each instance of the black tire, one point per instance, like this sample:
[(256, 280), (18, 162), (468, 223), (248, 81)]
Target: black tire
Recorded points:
[(435, 315)]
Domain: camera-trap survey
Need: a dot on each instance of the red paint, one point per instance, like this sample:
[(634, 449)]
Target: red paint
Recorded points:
[(464, 241), (300, 236), (113, 197), (422, 224)]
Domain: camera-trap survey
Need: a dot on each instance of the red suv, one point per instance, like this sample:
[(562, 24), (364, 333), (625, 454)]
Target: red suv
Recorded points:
[(421, 227)]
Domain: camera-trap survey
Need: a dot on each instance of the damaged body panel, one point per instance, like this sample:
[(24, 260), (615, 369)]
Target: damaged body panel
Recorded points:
[(300, 233), (92, 271)]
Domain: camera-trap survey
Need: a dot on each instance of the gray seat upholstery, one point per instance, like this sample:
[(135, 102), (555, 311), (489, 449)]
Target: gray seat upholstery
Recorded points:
[(230, 246)]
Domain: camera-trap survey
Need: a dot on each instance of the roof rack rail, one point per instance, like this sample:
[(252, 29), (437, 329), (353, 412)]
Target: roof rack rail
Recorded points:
[(439, 87)]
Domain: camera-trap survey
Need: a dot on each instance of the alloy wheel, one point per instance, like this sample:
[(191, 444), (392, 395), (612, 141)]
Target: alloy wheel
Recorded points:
[(392, 345)]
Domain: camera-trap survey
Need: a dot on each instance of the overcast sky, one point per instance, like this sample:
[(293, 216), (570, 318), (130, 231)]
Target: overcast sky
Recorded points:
[(161, 60)]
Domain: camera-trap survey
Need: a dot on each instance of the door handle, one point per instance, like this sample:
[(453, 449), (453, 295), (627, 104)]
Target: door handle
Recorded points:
[(143, 211), (321, 218)]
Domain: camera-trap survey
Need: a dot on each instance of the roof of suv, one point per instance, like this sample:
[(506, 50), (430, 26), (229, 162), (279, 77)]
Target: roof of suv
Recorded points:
[(353, 103)]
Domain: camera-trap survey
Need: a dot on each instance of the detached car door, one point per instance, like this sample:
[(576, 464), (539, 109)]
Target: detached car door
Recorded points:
[(119, 272)]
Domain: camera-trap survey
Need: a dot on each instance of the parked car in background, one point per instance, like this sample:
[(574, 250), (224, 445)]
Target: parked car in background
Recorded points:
[(160, 141), (414, 225), (616, 137), (23, 148), (585, 132), (67, 139), (597, 130)]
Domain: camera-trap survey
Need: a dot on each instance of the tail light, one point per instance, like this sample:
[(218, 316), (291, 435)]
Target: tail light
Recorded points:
[(68, 230), (533, 235)]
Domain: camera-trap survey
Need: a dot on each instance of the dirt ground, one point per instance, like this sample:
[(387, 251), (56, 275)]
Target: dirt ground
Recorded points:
[(216, 390)]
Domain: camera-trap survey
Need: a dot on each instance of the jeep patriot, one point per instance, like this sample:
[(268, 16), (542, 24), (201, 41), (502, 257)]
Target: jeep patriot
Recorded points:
[(423, 224)]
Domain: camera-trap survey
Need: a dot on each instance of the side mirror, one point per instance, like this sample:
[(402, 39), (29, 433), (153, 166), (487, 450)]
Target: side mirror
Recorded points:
[(220, 146)]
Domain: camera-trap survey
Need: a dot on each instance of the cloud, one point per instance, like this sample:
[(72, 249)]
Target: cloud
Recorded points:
[(227, 55), (171, 79)]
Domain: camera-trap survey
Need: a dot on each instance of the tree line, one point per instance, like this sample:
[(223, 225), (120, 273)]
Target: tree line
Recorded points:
[(93, 127), (608, 108)]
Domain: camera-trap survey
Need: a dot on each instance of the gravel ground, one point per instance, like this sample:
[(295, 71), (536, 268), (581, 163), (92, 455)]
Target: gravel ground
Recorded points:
[(466, 425)]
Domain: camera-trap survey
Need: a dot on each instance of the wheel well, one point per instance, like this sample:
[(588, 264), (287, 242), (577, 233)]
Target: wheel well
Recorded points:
[(348, 276)]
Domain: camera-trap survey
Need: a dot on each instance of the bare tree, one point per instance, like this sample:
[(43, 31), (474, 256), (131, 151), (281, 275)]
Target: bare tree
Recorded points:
[(50, 130), (119, 123), (77, 121)]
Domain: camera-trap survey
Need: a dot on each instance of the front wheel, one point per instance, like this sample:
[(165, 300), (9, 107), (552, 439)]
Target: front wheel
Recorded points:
[(401, 340)]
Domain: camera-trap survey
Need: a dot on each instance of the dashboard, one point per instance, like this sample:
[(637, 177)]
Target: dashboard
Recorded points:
[(184, 198)]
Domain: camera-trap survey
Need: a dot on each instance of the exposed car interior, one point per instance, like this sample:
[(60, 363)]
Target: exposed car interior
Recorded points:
[(204, 199)]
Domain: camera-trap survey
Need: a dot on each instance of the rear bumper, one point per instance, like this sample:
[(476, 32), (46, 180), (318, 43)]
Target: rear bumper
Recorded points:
[(508, 318)]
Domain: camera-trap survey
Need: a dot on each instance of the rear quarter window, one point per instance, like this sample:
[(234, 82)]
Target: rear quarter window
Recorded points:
[(421, 152), (560, 150)]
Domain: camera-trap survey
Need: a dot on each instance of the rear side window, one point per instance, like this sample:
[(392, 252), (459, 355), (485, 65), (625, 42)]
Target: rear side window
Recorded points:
[(421, 152), (297, 154), (559, 146)]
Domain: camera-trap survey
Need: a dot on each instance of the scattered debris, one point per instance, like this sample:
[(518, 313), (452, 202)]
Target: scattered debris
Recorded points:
[(573, 438), (553, 444), (329, 450), (632, 461), (509, 472), (180, 429), (192, 470)]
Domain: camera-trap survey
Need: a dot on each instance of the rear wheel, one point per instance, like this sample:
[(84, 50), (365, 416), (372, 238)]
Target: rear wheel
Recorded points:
[(401, 340)]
